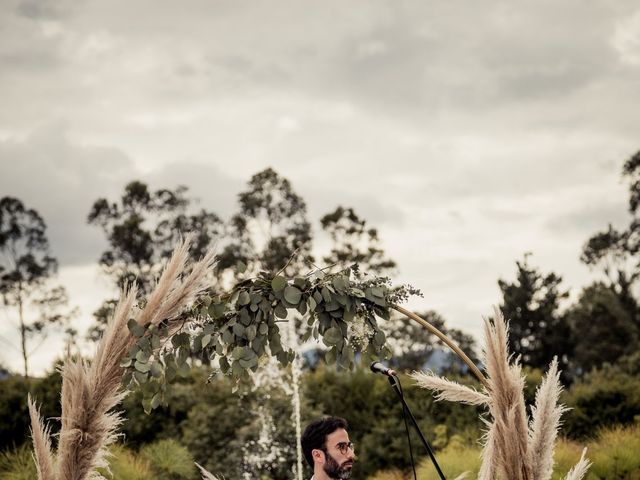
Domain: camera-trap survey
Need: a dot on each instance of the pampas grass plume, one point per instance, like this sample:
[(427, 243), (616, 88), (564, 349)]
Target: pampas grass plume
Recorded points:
[(90, 392)]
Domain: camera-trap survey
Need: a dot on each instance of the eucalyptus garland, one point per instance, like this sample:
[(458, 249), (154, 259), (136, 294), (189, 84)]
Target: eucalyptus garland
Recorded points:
[(242, 327)]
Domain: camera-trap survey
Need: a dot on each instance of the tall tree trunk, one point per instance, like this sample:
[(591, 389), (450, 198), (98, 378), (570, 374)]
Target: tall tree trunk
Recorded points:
[(23, 335)]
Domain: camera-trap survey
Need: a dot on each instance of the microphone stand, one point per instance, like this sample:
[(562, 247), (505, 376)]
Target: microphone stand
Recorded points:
[(395, 384)]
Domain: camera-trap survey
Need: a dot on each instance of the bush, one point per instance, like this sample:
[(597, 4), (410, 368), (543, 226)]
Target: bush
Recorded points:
[(453, 461), (14, 413), (614, 454), (126, 465), (17, 464), (169, 460), (604, 397)]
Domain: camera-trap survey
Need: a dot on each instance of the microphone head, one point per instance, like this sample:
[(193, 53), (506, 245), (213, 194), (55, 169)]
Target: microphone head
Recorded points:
[(377, 367)]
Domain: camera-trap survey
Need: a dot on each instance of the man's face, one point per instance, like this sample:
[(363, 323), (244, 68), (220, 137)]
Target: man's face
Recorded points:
[(339, 457)]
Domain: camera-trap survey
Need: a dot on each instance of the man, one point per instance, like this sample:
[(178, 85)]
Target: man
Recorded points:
[(327, 449)]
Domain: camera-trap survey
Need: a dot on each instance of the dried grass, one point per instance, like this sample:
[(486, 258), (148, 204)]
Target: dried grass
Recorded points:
[(449, 390), (41, 436), (580, 469), (90, 392), (514, 448), (206, 475)]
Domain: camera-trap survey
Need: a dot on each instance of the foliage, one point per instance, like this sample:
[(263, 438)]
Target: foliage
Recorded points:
[(616, 454), (616, 251), (126, 465), (14, 415), (537, 331), (354, 242), (515, 445), (242, 327), (26, 267), (169, 460), (602, 328), (375, 415), (142, 228), (269, 229), (17, 464), (412, 346), (613, 452), (604, 397)]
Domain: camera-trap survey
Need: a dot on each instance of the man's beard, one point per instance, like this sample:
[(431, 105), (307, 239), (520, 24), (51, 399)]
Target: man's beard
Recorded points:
[(338, 472)]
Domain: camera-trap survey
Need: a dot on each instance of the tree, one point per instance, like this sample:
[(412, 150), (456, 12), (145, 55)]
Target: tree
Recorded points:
[(142, 229), (26, 268), (537, 330), (271, 230), (413, 347), (354, 242), (616, 251), (602, 328)]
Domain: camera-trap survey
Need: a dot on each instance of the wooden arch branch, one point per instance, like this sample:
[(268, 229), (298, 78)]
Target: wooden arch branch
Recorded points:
[(446, 340)]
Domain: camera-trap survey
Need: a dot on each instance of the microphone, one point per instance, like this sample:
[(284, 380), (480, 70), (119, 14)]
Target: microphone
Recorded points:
[(377, 367)]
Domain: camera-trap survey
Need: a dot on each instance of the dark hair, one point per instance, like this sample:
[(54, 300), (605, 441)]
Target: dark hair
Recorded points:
[(315, 435)]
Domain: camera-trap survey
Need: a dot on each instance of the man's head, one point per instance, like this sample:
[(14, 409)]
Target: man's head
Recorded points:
[(326, 445)]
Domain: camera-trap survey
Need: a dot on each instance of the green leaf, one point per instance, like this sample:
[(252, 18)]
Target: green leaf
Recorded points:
[(244, 298), (205, 340), (180, 339), (339, 283), (332, 336), (330, 356), (280, 311), (156, 370), (245, 317), (348, 316), (251, 332), (238, 330), (224, 364), (142, 357), (216, 310), (156, 400), (136, 329), (292, 294), (377, 292), (274, 345), (141, 377), (278, 283), (146, 405), (312, 304)]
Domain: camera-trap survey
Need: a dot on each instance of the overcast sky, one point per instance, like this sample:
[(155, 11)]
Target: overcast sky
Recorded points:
[(468, 132)]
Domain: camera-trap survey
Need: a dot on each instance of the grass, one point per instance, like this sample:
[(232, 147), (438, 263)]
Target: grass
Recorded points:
[(170, 460), (17, 464), (614, 452)]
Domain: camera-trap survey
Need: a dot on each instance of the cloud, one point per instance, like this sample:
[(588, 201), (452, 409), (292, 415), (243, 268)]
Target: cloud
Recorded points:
[(209, 186), (60, 179), (590, 218)]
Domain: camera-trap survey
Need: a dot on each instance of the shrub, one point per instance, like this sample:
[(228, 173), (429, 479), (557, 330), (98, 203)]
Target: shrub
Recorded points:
[(604, 397), (17, 464), (125, 465), (169, 460), (616, 454)]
